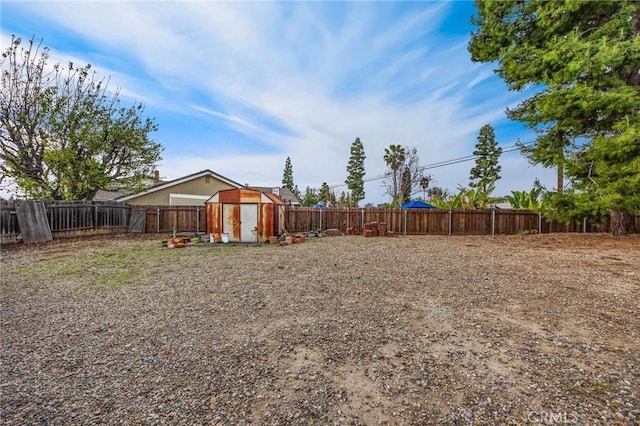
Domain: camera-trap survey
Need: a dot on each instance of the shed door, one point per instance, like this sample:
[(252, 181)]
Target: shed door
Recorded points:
[(231, 221), (248, 222), (240, 221)]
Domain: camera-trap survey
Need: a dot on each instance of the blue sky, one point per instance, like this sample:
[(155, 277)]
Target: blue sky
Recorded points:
[(237, 87)]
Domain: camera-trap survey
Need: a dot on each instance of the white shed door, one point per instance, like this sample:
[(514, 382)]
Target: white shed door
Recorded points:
[(248, 222)]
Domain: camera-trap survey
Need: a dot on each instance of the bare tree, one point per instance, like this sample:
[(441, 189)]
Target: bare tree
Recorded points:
[(404, 175)]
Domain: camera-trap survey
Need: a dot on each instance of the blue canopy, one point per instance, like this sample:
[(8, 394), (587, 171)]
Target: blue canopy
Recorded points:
[(319, 206), (416, 204)]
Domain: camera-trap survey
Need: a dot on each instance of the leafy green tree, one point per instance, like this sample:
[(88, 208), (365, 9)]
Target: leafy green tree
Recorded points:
[(287, 175), (355, 172), (583, 57), (437, 193), (344, 200), (523, 200), (325, 194), (551, 150), (465, 198), (63, 135), (487, 170), (310, 198)]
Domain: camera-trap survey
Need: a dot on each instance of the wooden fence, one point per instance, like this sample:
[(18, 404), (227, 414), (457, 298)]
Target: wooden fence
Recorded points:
[(435, 221), (67, 219), (75, 219), (164, 219)]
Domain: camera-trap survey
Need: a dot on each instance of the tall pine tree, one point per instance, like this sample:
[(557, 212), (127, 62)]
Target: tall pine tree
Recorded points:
[(487, 170), (324, 195), (355, 172), (583, 57), (287, 176)]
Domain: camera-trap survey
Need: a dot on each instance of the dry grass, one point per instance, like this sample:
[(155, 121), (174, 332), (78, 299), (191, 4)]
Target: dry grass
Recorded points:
[(409, 330)]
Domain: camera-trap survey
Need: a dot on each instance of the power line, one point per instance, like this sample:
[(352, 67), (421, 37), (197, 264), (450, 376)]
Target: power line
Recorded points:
[(515, 147)]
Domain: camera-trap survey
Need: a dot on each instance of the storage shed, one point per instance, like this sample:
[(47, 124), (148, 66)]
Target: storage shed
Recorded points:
[(246, 215)]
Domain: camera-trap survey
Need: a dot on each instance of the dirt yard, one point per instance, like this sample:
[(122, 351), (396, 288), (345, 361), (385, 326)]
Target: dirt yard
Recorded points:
[(342, 330)]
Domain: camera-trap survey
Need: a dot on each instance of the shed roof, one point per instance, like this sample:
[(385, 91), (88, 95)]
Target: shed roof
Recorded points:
[(244, 195)]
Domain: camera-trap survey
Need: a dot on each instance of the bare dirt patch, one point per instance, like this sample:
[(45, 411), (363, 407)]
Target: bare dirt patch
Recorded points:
[(406, 330)]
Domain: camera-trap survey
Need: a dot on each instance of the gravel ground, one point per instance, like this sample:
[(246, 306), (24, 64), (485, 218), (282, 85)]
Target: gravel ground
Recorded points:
[(342, 330)]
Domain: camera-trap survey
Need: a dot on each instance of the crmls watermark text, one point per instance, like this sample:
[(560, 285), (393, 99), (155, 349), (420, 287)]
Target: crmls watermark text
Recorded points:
[(551, 418)]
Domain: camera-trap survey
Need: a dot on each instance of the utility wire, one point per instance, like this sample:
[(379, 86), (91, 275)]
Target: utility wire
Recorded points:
[(510, 148)]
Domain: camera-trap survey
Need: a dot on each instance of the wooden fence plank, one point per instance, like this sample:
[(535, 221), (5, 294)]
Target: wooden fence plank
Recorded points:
[(9, 228), (138, 220), (32, 219)]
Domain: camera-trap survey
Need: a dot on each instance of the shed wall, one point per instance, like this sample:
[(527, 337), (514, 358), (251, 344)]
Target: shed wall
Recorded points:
[(271, 216)]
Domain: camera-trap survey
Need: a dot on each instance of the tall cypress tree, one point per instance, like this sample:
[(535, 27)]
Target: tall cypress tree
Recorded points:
[(287, 176), (355, 172), (487, 170)]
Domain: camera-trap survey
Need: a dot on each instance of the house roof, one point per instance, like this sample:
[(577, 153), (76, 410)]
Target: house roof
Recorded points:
[(162, 185), (104, 195), (285, 194)]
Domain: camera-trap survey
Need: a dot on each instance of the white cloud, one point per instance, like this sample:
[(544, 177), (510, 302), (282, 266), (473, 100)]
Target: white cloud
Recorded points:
[(304, 79)]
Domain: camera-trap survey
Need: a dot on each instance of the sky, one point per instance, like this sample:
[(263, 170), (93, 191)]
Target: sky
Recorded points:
[(237, 87)]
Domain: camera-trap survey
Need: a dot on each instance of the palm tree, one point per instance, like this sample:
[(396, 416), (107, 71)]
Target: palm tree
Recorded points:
[(395, 157), (424, 184)]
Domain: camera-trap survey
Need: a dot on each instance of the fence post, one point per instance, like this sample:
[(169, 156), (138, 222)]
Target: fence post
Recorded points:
[(95, 217), (493, 222), (584, 225), (405, 222), (320, 219), (197, 220), (362, 222), (539, 222), (450, 221), (348, 214), (158, 218)]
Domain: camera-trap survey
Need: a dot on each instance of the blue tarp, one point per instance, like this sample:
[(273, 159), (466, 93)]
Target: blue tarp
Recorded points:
[(416, 204)]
